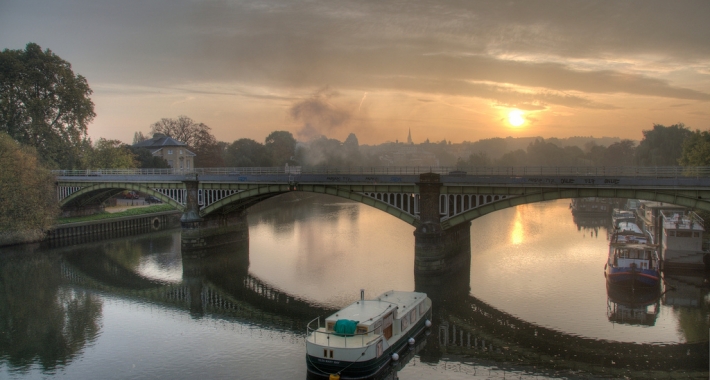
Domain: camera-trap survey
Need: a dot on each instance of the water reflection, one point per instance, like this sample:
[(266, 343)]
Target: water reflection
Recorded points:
[(252, 299), (42, 321), (633, 306)]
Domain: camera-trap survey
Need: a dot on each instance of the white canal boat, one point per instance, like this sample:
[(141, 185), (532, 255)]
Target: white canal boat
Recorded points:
[(360, 340)]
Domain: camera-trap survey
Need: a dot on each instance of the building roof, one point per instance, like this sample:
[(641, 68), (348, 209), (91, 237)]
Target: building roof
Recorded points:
[(159, 141)]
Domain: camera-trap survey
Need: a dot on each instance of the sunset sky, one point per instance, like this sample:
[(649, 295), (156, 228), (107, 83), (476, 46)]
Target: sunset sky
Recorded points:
[(455, 70)]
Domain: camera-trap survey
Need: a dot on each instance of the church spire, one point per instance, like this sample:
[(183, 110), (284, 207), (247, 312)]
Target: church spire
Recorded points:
[(409, 137)]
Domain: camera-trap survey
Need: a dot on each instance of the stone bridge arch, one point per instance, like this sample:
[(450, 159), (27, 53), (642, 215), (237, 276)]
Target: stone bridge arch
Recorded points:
[(394, 205), (699, 199), (81, 194)]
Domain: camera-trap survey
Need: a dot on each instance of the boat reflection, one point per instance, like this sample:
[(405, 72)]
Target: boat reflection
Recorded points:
[(633, 307)]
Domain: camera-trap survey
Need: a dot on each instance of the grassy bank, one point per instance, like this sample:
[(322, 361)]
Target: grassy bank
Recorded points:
[(108, 215)]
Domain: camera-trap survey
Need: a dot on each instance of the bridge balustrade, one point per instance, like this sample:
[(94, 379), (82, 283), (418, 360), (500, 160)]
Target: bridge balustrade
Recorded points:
[(622, 171)]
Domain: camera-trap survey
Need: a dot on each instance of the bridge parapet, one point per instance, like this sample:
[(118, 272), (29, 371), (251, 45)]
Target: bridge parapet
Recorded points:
[(506, 171)]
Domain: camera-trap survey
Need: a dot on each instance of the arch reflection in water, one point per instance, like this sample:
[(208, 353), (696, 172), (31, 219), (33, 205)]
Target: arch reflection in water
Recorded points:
[(222, 313)]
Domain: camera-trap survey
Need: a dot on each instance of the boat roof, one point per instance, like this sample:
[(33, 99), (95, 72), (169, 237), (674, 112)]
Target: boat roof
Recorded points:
[(626, 227), (369, 311)]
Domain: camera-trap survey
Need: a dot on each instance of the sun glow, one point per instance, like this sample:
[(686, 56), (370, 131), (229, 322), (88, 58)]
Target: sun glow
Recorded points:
[(515, 118)]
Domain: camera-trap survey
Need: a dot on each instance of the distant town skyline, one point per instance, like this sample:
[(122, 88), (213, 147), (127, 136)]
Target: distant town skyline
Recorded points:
[(454, 70)]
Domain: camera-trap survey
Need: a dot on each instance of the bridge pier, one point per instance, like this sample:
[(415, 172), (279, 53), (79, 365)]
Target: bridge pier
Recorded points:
[(213, 232), (438, 251), (200, 236)]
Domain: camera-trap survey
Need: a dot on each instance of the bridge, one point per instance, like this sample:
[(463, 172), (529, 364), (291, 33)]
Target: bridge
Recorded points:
[(439, 202)]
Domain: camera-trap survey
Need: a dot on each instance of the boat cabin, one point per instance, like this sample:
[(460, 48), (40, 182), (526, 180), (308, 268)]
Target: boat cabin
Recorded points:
[(642, 256), (389, 314)]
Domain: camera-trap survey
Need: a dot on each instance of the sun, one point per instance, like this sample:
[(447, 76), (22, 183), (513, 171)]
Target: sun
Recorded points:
[(515, 118)]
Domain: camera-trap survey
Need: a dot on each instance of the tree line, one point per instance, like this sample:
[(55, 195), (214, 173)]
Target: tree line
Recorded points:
[(661, 146)]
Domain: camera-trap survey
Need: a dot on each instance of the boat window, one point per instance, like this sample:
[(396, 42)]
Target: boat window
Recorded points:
[(696, 234), (671, 233), (325, 353), (378, 327), (412, 316), (330, 326), (405, 324), (331, 354), (361, 330), (421, 308)]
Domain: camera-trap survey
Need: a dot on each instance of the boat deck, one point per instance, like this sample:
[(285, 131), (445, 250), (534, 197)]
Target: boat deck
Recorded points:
[(328, 339)]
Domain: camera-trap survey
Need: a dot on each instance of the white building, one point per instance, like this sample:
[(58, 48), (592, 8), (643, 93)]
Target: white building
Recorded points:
[(682, 240)]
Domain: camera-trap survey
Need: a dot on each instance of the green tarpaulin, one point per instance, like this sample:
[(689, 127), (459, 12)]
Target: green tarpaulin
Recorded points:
[(345, 327)]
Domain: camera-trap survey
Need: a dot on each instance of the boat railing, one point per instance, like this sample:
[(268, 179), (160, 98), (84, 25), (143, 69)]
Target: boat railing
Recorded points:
[(314, 330)]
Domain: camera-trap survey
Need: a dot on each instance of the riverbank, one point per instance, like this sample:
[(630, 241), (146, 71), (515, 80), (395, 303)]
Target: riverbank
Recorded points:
[(117, 212), (121, 217)]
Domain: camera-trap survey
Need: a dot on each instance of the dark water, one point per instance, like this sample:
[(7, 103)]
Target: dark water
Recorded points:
[(533, 303)]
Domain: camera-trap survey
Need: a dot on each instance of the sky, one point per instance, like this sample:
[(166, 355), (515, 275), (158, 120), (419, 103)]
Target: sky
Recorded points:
[(454, 70)]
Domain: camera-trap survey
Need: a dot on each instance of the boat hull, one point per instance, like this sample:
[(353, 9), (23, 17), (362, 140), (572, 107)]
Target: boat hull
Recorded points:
[(368, 368), (632, 277)]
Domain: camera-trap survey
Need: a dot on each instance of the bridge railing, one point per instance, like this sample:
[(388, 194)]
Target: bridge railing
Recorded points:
[(508, 171)]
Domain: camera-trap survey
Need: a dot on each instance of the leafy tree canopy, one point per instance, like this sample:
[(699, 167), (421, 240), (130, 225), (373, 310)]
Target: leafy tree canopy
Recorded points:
[(247, 153), (145, 159), (28, 200), (282, 147), (696, 149), (111, 154), (662, 146), (43, 104)]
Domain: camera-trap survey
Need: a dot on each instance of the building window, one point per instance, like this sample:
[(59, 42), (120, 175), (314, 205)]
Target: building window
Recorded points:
[(170, 151), (188, 164), (180, 151), (170, 163)]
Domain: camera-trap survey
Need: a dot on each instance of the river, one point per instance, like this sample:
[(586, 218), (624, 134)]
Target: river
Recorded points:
[(533, 304)]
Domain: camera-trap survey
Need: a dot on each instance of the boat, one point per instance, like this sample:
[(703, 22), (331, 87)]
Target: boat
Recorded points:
[(633, 262), (628, 232), (360, 340), (633, 265), (618, 216)]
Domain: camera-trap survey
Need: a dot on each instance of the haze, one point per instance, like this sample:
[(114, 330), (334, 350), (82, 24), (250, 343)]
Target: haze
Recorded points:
[(454, 70)]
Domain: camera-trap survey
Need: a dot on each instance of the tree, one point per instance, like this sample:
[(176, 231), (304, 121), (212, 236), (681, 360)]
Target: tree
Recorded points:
[(28, 204), (197, 136), (479, 159), (44, 105), (183, 129), (619, 154), (281, 146), (145, 159), (662, 146), (139, 137), (111, 154), (514, 158), (247, 153), (696, 149)]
